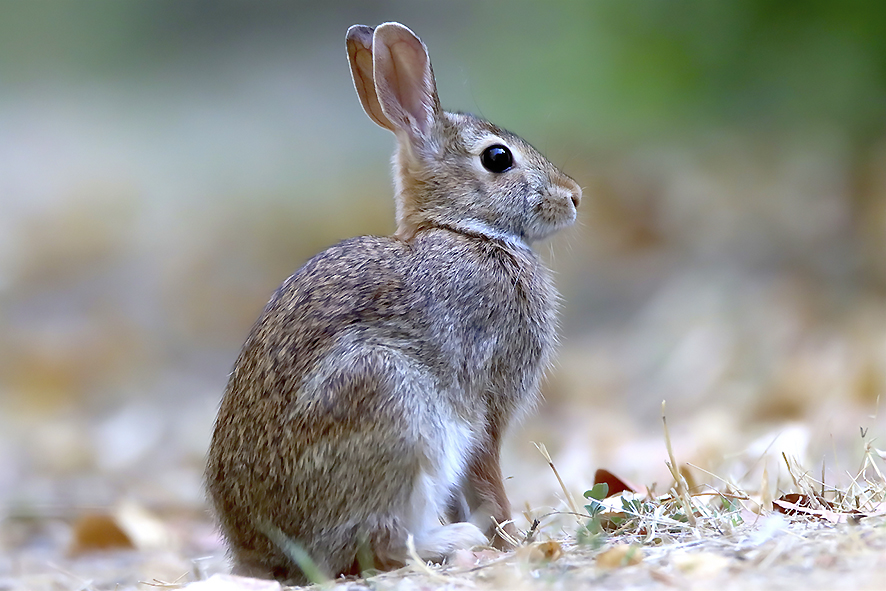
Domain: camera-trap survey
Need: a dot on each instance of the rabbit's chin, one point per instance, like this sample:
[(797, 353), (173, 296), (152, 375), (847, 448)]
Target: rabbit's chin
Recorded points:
[(533, 230)]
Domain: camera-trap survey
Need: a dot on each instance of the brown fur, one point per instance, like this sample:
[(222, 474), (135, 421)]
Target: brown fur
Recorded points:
[(380, 354)]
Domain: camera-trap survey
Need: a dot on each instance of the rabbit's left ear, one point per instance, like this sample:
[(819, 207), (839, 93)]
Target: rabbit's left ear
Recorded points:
[(404, 81), (359, 41)]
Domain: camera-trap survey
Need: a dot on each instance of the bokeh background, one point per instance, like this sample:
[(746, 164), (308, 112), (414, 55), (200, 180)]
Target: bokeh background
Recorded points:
[(165, 165)]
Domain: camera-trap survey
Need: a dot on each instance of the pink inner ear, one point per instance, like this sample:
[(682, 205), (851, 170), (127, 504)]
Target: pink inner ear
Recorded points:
[(403, 79), (410, 81)]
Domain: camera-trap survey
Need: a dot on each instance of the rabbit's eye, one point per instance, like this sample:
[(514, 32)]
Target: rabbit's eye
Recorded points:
[(496, 158)]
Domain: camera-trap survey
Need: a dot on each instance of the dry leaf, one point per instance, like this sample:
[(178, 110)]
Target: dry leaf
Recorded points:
[(799, 504), (616, 485), (541, 551), (550, 550), (826, 514), (620, 555), (98, 532), (145, 529), (791, 503)]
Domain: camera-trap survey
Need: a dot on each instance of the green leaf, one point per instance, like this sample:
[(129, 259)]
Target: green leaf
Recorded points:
[(598, 492), (594, 507)]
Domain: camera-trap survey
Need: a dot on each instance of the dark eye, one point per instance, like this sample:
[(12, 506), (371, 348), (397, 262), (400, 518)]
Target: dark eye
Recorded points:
[(496, 158)]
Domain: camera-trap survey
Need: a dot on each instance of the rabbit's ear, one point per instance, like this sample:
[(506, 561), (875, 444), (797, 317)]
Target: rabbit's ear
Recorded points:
[(404, 81), (359, 41)]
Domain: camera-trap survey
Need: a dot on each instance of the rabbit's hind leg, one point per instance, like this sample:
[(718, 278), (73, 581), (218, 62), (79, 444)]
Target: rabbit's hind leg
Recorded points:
[(393, 453), (433, 540)]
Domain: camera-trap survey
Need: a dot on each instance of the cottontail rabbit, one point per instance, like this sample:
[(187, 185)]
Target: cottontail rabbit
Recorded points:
[(370, 399)]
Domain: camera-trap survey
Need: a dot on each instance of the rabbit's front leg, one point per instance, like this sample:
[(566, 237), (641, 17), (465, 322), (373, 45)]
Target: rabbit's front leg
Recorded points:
[(484, 490)]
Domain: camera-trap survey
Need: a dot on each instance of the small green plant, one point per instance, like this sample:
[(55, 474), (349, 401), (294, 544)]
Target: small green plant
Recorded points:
[(592, 533), (594, 496)]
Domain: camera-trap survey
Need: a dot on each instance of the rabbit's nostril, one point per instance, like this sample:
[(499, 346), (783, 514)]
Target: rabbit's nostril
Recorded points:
[(575, 195), (567, 185)]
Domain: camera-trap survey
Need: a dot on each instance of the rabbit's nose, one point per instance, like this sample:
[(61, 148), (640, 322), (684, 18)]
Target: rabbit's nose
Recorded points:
[(572, 188)]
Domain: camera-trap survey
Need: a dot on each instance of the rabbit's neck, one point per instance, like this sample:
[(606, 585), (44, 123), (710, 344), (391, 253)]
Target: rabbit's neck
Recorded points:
[(480, 229), (474, 229)]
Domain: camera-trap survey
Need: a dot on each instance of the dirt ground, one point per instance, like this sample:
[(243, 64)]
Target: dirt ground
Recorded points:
[(734, 544)]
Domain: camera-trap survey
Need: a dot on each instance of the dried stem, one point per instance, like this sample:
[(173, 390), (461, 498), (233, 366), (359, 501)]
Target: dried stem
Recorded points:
[(682, 487)]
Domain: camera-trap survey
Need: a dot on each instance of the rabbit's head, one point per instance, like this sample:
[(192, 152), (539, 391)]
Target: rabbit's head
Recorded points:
[(453, 170)]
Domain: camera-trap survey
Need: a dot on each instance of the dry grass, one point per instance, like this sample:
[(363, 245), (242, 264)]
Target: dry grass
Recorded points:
[(724, 535), (700, 530)]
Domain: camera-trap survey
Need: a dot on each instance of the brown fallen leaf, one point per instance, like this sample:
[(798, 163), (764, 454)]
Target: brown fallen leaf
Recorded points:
[(616, 485), (801, 508), (144, 529), (800, 504), (541, 551), (790, 503), (96, 532)]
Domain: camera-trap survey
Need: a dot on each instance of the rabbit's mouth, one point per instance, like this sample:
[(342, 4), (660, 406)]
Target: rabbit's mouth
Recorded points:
[(554, 211)]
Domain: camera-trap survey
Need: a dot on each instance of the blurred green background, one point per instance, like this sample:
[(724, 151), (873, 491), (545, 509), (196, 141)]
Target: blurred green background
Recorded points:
[(165, 165)]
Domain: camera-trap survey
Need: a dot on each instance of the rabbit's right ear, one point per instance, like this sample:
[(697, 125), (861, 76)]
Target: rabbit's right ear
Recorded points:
[(359, 41), (404, 81)]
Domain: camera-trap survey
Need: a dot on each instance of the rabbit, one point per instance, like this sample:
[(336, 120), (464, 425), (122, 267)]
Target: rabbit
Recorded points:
[(364, 416)]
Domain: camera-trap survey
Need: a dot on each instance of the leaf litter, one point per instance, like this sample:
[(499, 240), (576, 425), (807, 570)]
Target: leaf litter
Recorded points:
[(701, 530)]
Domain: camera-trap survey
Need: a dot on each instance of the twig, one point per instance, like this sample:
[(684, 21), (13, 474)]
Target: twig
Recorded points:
[(802, 486), (569, 500), (500, 529), (176, 584), (682, 487), (765, 490)]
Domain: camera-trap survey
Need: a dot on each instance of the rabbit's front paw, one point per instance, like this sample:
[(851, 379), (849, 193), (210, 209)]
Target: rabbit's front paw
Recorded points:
[(441, 542)]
